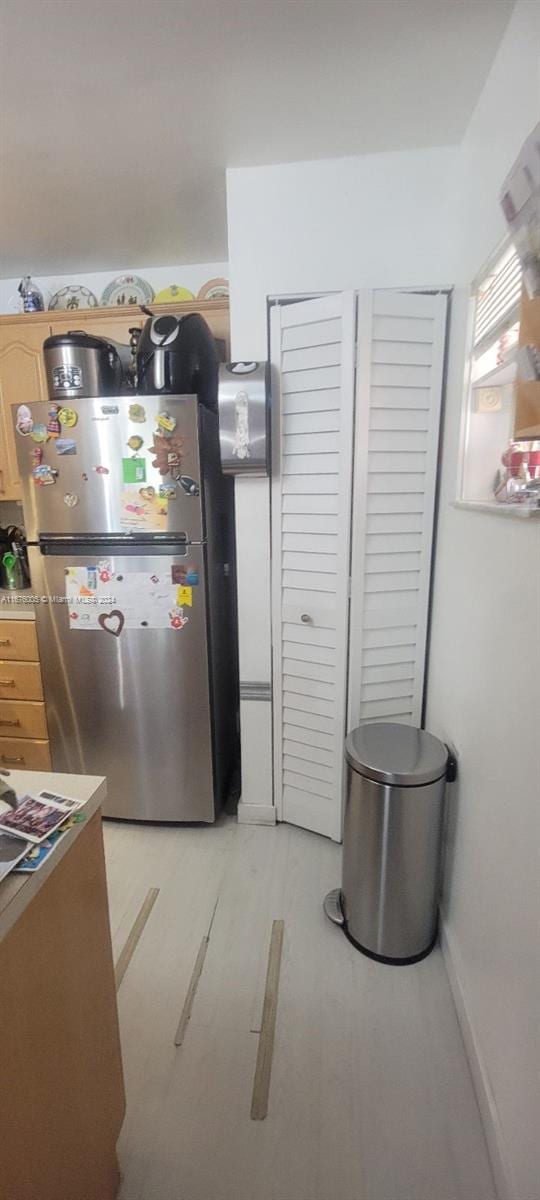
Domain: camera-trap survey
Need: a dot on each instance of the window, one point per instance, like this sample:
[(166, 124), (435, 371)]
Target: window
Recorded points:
[(489, 403)]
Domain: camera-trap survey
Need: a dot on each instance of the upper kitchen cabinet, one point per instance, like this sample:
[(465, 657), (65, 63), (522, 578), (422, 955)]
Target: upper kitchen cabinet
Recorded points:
[(22, 379)]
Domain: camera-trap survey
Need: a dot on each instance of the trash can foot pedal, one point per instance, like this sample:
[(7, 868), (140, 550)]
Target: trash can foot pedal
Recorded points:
[(332, 907)]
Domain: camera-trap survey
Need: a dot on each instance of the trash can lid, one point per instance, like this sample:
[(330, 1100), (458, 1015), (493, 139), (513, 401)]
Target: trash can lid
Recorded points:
[(396, 754)]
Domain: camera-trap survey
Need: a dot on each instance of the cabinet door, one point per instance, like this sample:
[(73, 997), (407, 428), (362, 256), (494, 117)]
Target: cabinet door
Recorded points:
[(22, 380), (312, 351), (114, 326)]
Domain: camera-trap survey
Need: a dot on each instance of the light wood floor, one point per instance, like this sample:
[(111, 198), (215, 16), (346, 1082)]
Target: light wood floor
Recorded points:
[(370, 1097)]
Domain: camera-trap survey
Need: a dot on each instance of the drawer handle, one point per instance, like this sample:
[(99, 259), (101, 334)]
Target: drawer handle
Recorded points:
[(306, 618), (10, 758), (7, 683), (5, 642), (14, 723)]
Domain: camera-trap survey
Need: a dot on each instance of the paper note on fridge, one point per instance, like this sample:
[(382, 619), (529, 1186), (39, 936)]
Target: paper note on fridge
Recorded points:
[(135, 600)]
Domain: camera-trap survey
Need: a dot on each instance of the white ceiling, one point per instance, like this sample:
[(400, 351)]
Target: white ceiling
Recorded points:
[(119, 117)]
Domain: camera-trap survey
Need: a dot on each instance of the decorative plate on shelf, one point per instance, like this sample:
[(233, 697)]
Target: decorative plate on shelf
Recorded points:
[(73, 297), (214, 289), (173, 293), (127, 289)]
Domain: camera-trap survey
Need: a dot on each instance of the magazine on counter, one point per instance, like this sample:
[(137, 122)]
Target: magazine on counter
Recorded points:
[(37, 855), (12, 849), (36, 817)]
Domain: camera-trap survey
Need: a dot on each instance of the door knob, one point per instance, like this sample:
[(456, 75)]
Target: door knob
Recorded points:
[(306, 618)]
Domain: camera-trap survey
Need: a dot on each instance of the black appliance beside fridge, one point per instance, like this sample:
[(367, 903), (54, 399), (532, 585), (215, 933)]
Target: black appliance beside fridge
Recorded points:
[(130, 531)]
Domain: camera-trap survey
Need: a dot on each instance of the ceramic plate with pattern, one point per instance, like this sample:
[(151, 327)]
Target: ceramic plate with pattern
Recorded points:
[(127, 289), (73, 297), (173, 293), (214, 289)]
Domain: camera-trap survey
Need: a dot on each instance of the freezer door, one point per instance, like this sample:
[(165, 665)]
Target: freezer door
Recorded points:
[(105, 481), (129, 699)]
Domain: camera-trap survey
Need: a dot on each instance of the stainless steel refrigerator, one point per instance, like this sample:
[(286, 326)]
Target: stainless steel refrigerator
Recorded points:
[(130, 528)]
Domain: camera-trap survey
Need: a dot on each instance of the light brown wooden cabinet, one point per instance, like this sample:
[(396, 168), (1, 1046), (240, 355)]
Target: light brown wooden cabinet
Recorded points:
[(105, 325), (22, 373), (22, 379), (23, 723)]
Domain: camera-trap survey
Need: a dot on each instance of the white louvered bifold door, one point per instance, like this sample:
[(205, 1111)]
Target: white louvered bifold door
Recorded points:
[(313, 357), (400, 361)]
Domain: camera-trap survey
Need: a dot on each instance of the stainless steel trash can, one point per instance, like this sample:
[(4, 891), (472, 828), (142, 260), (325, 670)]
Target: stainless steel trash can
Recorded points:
[(396, 777)]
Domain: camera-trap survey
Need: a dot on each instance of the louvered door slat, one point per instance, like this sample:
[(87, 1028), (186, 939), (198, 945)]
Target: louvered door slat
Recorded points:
[(312, 351), (399, 383)]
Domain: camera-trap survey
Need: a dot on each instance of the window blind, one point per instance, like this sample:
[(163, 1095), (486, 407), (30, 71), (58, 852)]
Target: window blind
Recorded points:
[(498, 295)]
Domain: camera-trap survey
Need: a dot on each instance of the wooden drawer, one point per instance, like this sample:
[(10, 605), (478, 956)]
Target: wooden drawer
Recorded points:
[(22, 718), (18, 639), (20, 681), (24, 754)]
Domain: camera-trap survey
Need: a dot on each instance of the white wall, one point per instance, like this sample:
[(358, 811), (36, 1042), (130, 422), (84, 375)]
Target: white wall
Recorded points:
[(191, 276), (483, 691), (382, 219)]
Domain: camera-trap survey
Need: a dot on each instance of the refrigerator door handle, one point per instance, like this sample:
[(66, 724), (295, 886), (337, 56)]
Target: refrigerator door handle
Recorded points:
[(126, 543)]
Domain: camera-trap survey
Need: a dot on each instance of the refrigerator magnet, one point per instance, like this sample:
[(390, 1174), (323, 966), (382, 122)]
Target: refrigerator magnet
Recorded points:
[(134, 470), (167, 491), (184, 595), (185, 575), (24, 421), (44, 475), (112, 622), (101, 470), (53, 424), (166, 422), (66, 446), (135, 442), (39, 432), (68, 417), (137, 413), (36, 456), (71, 499), (177, 618), (189, 486), (104, 570)]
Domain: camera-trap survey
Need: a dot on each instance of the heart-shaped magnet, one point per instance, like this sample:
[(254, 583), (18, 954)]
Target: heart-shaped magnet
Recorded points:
[(112, 622)]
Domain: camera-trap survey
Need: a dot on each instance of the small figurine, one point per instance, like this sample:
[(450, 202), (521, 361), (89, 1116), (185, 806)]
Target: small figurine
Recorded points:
[(32, 298), (53, 424)]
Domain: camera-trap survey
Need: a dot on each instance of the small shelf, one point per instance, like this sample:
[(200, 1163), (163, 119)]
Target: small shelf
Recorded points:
[(522, 511), (131, 312)]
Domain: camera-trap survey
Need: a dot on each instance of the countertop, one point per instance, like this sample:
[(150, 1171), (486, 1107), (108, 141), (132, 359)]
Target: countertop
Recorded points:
[(17, 891), (17, 605)]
